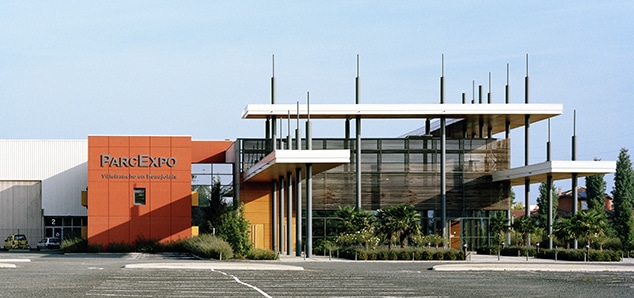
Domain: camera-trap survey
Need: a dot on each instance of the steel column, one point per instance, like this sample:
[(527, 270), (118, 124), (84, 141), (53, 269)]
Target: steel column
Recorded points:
[(549, 218), (298, 212), (575, 191), (274, 226), (289, 212), (309, 210), (281, 225)]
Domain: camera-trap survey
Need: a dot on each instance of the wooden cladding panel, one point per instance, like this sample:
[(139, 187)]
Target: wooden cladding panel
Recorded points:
[(409, 180)]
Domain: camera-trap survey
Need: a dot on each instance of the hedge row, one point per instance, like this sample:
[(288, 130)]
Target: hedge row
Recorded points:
[(561, 254), (580, 255), (204, 246), (406, 254)]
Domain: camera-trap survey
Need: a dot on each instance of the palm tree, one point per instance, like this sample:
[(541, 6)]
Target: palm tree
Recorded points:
[(402, 222), (354, 220), (563, 230), (524, 225), (498, 225), (589, 225)]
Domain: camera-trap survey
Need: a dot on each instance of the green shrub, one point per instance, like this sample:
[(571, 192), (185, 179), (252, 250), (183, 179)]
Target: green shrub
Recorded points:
[(438, 255), (235, 230), (119, 247), (94, 248), (487, 250), (361, 255), (417, 254), (516, 251), (613, 244), (580, 255), (148, 245), (372, 255), (175, 246), (208, 246), (405, 255), (426, 255), (385, 254), (74, 245), (262, 254), (450, 254)]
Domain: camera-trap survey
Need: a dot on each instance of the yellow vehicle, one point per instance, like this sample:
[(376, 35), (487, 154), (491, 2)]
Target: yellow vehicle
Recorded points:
[(17, 241)]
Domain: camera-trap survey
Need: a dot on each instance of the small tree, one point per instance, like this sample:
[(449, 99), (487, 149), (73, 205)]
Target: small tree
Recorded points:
[(357, 228), (211, 206), (354, 220), (589, 225), (623, 197), (562, 230), (542, 202), (401, 221), (235, 229), (498, 225), (525, 226), (595, 191)]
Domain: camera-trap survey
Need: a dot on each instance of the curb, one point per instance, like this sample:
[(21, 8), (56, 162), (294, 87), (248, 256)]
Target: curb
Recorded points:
[(215, 266)]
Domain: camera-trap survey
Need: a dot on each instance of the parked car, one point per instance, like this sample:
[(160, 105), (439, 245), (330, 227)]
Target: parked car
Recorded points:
[(49, 243), (17, 241)]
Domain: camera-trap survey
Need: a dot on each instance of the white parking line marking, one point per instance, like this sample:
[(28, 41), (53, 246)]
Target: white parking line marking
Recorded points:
[(246, 284)]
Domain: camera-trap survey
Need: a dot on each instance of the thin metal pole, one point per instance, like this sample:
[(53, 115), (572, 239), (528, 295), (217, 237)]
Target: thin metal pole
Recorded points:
[(298, 135), (274, 225), (358, 141), (507, 136), (282, 198), (443, 180), (298, 192), (489, 93), (273, 118), (298, 212), (549, 218), (289, 139), (527, 123), (443, 161), (548, 143), (289, 212), (575, 190), (481, 121), (309, 210), (489, 129), (309, 184), (268, 139)]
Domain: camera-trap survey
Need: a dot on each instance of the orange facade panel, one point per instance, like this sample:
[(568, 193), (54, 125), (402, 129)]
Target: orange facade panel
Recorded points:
[(257, 209), (136, 186), (210, 151)]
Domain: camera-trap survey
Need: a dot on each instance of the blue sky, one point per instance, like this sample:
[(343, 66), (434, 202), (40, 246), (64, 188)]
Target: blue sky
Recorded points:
[(77, 68)]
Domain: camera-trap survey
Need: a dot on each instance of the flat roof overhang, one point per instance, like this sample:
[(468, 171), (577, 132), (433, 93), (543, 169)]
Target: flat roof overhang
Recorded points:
[(494, 116), (281, 162), (558, 169)]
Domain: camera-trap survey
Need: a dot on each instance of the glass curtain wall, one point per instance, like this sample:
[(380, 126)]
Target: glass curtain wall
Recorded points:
[(399, 171)]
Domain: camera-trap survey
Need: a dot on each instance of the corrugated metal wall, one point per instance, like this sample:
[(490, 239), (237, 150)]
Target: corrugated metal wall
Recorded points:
[(61, 165)]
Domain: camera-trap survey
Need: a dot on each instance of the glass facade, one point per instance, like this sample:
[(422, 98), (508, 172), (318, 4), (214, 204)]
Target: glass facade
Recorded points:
[(398, 171), (64, 227)]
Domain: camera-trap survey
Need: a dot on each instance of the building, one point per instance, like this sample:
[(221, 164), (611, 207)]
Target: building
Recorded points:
[(457, 174), (565, 201)]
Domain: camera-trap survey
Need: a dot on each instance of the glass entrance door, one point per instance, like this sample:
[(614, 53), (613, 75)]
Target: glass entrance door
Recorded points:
[(54, 232)]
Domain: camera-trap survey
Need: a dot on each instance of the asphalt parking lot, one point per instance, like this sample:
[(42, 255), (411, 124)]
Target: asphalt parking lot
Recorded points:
[(52, 274)]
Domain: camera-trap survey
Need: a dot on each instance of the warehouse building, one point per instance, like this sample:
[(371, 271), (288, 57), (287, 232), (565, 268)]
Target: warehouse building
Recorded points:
[(117, 189)]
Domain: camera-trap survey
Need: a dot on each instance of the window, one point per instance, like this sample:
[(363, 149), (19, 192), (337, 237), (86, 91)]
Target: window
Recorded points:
[(139, 196)]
